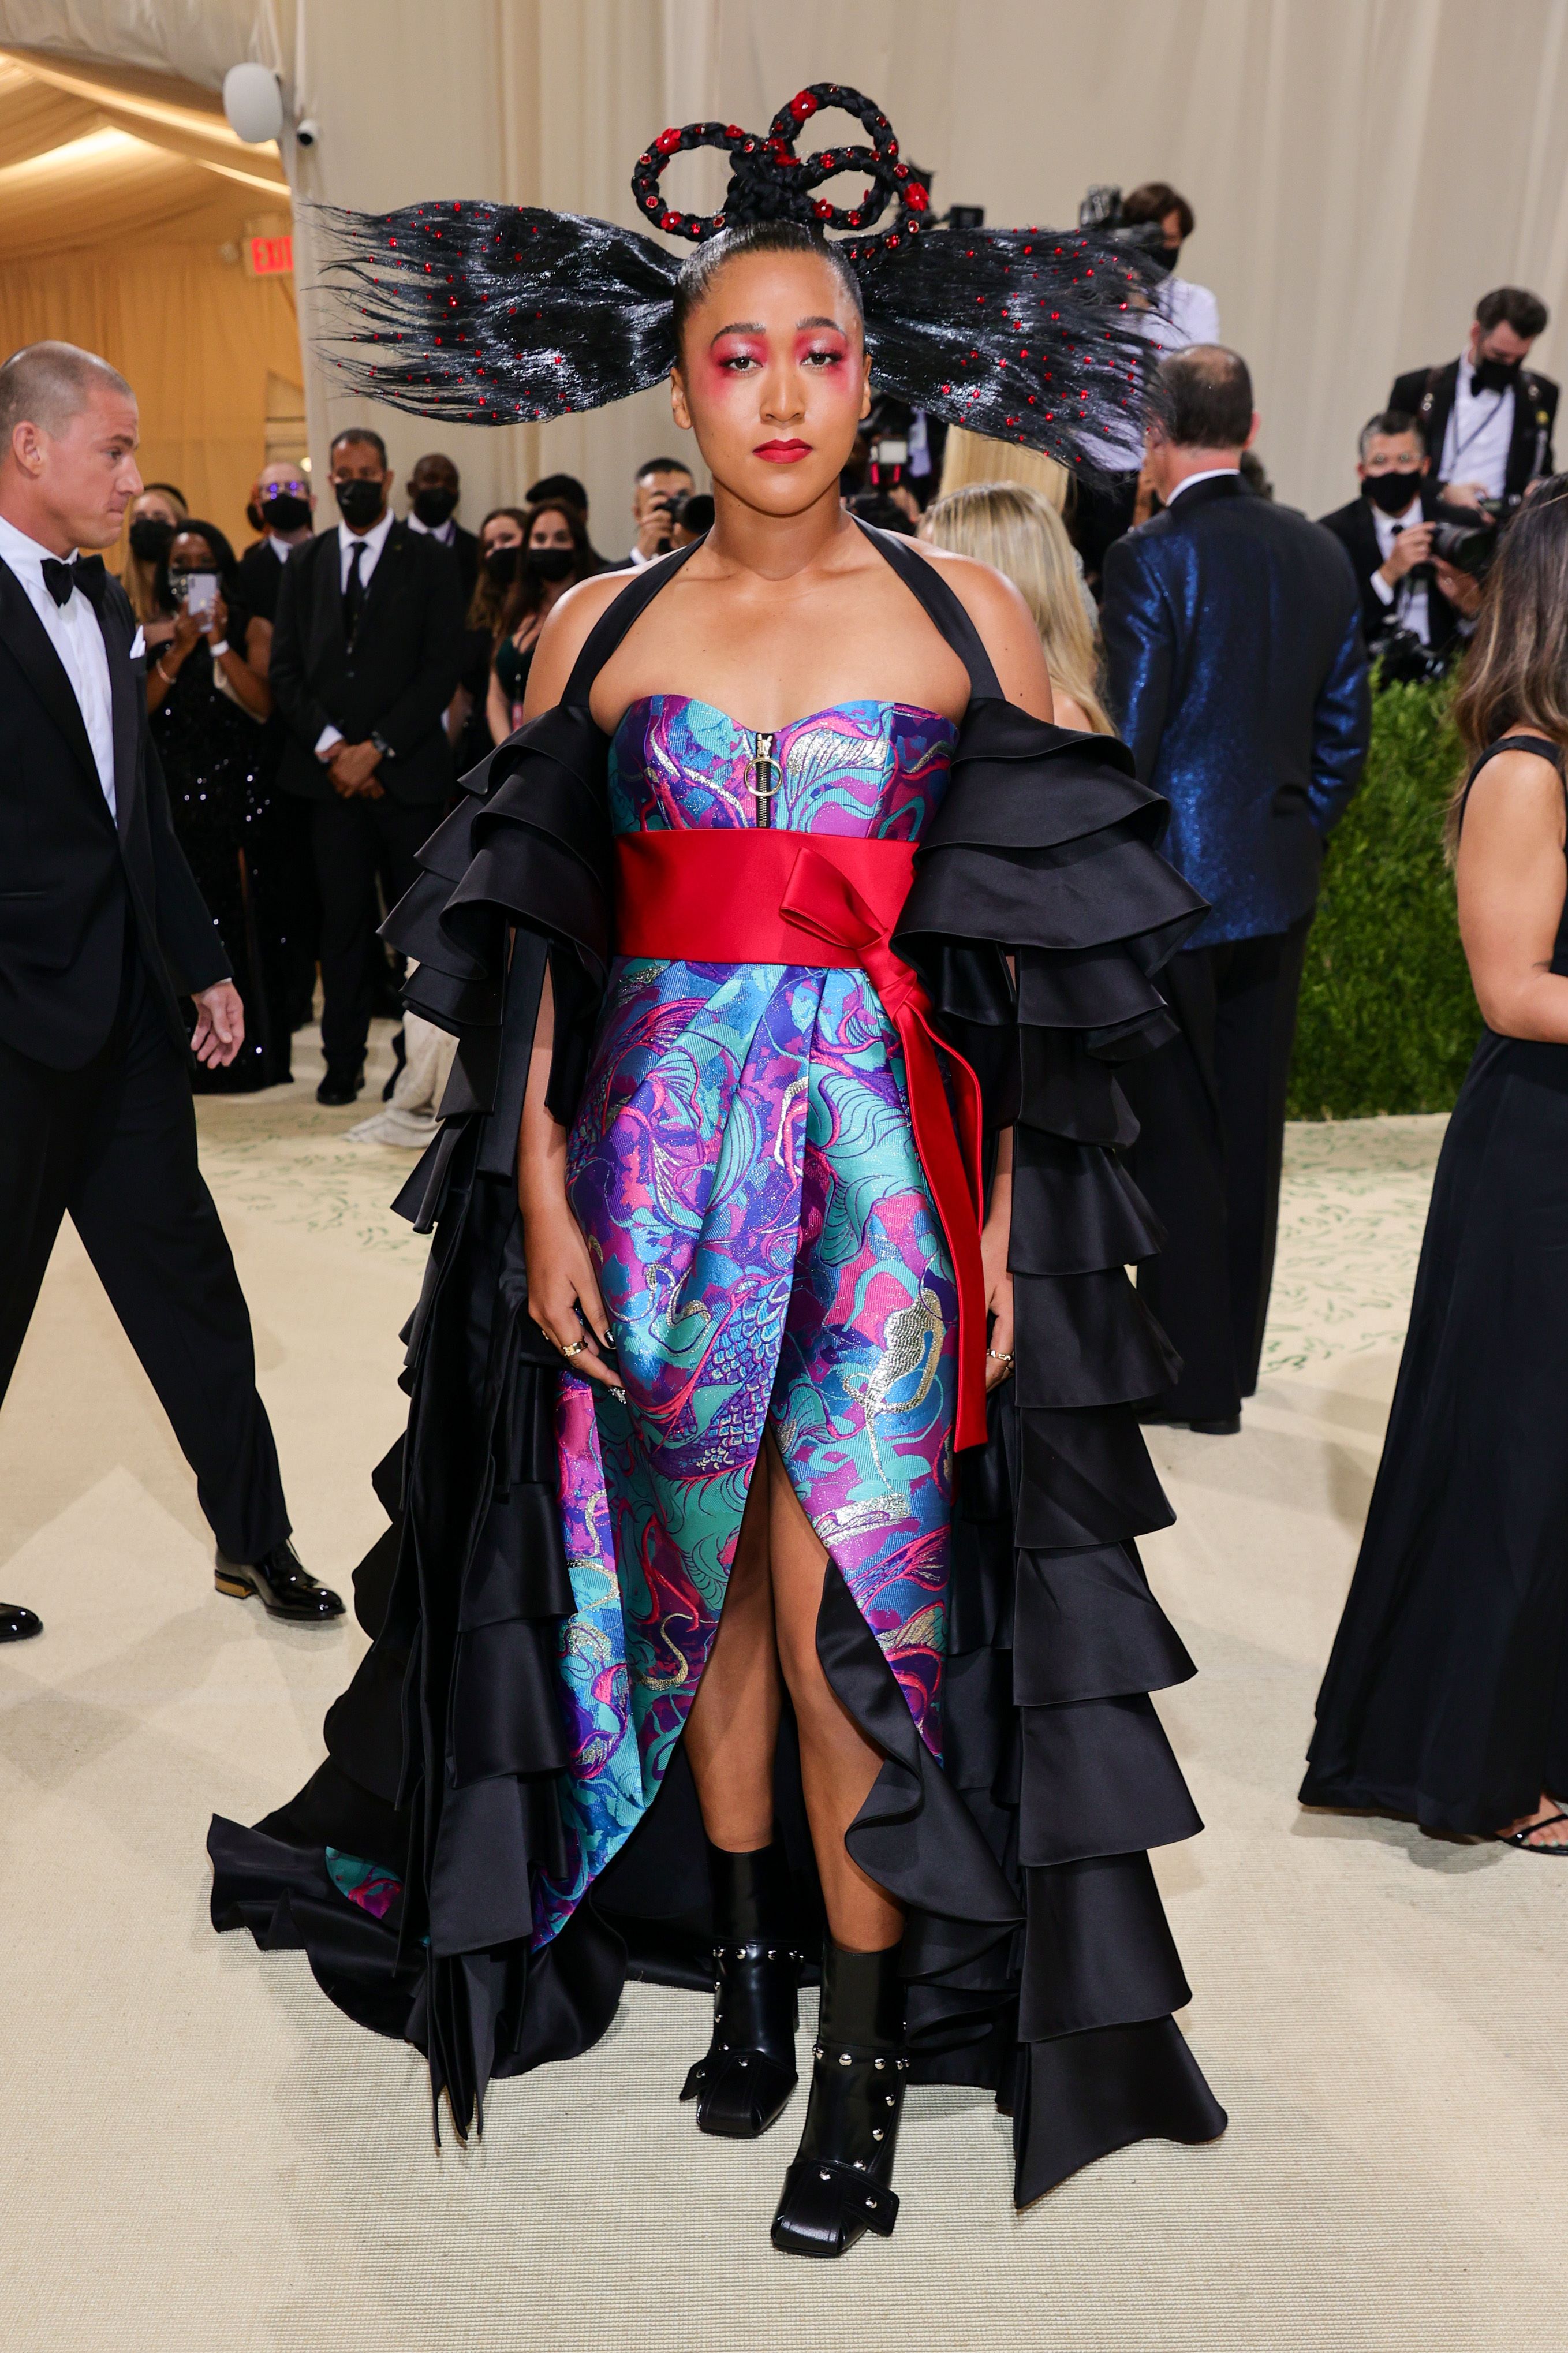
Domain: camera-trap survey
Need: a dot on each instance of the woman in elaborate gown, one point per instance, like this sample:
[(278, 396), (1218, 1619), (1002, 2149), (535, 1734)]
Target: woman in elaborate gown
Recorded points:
[(763, 1562), (1446, 1695)]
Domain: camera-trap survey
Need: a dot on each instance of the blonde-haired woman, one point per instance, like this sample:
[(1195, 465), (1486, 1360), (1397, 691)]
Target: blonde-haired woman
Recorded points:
[(156, 513), (1015, 530)]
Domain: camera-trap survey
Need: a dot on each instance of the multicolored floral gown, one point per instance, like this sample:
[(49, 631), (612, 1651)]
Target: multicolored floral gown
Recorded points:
[(744, 1171), (505, 1826)]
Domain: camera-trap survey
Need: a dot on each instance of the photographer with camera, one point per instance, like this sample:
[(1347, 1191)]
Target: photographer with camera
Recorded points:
[(1488, 423), (1154, 221), (1418, 561), (1179, 312), (657, 486)]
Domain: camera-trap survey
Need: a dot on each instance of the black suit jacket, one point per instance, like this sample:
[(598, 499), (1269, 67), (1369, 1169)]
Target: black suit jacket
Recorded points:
[(1237, 672), (260, 580), (465, 548), (1429, 395), (71, 876), (395, 679), (1353, 527)]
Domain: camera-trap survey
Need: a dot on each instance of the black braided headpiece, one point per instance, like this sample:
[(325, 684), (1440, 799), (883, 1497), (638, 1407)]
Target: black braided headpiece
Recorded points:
[(497, 314)]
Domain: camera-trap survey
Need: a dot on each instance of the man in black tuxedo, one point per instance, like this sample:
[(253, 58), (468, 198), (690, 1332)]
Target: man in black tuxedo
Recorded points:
[(434, 490), (1387, 533), (1238, 674), (101, 931), (366, 650), (1487, 421)]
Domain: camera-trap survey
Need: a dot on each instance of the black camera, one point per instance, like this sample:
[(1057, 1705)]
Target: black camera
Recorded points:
[(1400, 658), (1102, 212), (1469, 546)]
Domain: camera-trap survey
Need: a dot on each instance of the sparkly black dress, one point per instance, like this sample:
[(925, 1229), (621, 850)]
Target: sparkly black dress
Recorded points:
[(1447, 1694), (215, 758)]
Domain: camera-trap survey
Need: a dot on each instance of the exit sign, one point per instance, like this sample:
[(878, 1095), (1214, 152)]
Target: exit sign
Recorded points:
[(270, 257)]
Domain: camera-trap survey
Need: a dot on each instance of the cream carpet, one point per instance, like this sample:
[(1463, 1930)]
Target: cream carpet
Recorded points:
[(202, 2152)]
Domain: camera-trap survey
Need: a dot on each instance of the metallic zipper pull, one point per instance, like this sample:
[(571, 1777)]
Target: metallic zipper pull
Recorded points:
[(763, 794)]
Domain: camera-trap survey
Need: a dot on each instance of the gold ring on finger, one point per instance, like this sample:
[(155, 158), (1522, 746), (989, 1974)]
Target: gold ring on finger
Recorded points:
[(576, 1349)]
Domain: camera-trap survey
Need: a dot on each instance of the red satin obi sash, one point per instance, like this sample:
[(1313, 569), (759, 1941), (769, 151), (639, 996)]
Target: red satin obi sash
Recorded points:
[(830, 902)]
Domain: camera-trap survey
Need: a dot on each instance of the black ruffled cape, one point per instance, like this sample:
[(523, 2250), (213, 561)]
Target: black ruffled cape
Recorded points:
[(1039, 1958)]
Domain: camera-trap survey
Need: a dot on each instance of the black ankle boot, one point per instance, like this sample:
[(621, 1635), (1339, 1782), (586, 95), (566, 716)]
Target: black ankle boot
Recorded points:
[(838, 2186), (742, 2083)]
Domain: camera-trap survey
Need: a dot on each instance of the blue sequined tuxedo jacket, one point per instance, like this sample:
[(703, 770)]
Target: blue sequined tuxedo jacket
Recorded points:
[(1239, 676)]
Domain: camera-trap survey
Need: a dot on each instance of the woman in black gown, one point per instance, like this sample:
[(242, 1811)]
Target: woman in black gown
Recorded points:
[(207, 712), (553, 1770), (1447, 1694)]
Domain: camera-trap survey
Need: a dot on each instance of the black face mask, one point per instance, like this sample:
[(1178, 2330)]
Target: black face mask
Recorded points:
[(552, 563), (435, 506), (150, 538), (359, 504), (1495, 375), (254, 517), (1162, 261), (1393, 492), (286, 512), (500, 565)]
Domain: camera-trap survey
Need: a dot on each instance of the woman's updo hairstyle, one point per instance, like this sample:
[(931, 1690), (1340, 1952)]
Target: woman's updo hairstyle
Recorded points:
[(506, 314), (700, 268)]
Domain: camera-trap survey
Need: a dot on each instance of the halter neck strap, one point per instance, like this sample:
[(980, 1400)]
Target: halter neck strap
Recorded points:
[(923, 580)]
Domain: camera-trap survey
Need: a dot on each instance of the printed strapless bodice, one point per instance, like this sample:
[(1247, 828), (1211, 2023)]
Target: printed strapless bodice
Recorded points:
[(873, 770)]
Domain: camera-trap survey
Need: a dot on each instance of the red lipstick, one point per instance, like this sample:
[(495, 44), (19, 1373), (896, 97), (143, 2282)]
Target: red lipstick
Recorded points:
[(783, 453)]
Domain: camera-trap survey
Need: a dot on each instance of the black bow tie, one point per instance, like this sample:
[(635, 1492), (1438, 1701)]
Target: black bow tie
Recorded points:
[(83, 571)]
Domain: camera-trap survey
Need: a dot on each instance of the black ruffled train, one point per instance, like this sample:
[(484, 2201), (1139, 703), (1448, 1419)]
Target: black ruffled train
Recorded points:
[(1037, 1958)]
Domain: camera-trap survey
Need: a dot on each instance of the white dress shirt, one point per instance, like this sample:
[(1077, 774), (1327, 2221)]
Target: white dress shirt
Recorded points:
[(282, 548), (447, 532), (1481, 428), (74, 633), (1181, 313), (1407, 597), (373, 542)]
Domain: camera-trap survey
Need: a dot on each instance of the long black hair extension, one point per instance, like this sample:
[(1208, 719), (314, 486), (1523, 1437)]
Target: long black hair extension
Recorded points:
[(494, 315)]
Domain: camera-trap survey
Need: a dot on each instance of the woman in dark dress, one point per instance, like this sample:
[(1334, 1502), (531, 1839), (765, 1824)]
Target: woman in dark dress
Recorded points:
[(556, 556), (765, 1596), (501, 536), (1446, 1695), (207, 712)]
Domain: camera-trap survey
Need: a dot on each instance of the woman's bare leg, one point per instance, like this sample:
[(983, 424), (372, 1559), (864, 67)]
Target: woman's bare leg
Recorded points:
[(838, 1764), (732, 1727)]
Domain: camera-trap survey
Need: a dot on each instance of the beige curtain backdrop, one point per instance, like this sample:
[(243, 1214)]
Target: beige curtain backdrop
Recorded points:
[(1360, 169), (193, 335)]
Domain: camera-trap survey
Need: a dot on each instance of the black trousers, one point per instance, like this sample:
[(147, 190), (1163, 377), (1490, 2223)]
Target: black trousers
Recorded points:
[(1211, 1113), (114, 1145), (358, 843)]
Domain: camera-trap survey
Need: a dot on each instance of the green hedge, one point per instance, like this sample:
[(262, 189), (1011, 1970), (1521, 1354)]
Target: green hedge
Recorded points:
[(1388, 1021)]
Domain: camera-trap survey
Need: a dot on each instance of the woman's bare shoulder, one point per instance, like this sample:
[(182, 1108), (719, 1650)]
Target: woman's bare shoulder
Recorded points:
[(1527, 783)]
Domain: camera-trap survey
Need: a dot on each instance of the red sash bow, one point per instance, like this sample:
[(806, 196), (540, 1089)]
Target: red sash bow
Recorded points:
[(831, 902)]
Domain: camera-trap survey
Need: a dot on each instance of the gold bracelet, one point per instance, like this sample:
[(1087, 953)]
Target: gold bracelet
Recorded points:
[(166, 676)]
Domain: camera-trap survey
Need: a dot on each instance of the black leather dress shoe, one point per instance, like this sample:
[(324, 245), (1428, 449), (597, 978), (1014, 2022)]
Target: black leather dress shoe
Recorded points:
[(286, 1587), (340, 1086), (17, 1624), (1226, 1426)]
